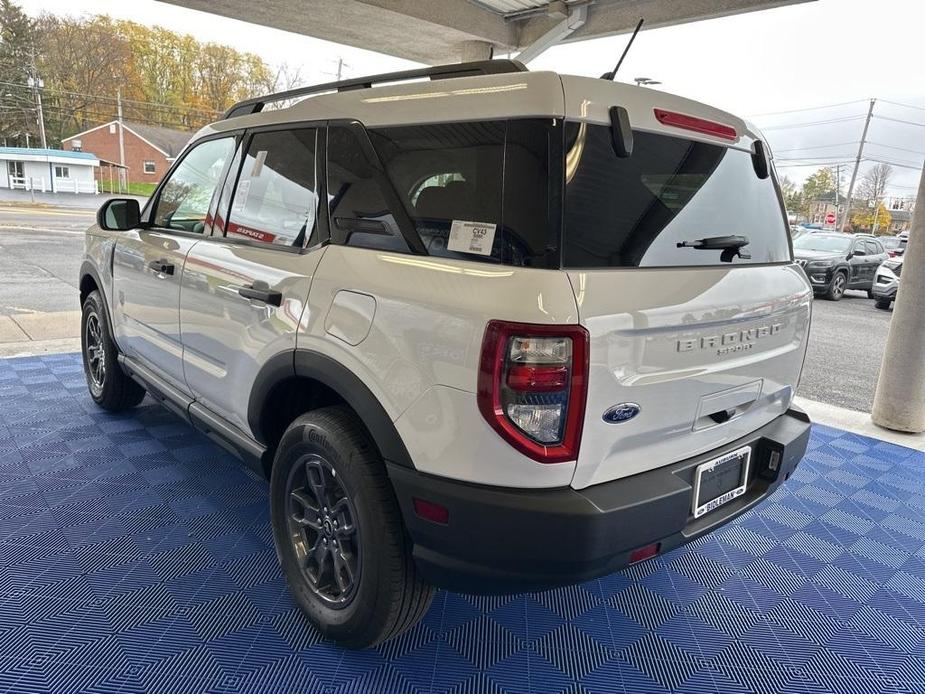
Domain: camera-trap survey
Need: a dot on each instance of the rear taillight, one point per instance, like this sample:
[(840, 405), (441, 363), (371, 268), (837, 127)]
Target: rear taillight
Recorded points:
[(533, 382), (698, 125)]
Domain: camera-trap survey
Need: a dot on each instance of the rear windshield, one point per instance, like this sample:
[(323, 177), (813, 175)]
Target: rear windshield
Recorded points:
[(633, 212)]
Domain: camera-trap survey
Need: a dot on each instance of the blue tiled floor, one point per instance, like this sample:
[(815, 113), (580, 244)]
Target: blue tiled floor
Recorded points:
[(135, 556)]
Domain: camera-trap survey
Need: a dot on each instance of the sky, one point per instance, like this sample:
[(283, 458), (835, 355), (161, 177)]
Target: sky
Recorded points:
[(761, 65)]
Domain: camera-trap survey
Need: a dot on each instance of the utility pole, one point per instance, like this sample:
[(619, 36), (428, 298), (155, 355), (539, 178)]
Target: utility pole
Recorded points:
[(857, 163), (36, 84), (340, 69), (121, 141)]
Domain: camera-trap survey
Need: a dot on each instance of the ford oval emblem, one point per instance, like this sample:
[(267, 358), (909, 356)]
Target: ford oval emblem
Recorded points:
[(623, 412)]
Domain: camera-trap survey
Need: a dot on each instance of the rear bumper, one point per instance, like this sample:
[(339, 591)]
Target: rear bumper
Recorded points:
[(501, 540)]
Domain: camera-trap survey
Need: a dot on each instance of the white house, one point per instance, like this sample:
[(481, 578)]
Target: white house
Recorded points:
[(48, 170)]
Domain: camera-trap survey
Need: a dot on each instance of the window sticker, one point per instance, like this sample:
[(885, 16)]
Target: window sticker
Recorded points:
[(471, 237), (240, 198)]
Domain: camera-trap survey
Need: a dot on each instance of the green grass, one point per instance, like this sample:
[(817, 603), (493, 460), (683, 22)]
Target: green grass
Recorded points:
[(143, 189)]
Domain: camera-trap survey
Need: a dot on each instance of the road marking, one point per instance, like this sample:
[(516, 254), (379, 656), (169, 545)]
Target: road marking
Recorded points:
[(58, 212), (42, 230)]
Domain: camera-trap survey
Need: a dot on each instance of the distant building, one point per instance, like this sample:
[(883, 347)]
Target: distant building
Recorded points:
[(48, 170), (900, 220), (149, 149), (825, 205)]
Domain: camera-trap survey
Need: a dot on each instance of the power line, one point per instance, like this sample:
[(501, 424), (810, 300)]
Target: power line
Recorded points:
[(899, 120), (901, 149), (906, 165), (802, 149), (809, 108), (896, 103), (809, 123)]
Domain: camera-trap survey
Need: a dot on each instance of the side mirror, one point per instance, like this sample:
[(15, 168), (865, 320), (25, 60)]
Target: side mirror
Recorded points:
[(119, 214)]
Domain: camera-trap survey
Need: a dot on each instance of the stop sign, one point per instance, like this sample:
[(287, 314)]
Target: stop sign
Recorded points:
[(830, 218)]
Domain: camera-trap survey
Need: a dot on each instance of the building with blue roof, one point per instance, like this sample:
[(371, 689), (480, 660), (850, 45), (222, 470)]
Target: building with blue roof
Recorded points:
[(48, 170)]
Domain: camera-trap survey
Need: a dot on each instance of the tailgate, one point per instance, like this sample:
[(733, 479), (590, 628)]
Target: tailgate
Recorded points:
[(707, 354)]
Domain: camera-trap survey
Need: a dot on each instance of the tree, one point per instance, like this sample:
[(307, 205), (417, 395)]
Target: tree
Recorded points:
[(793, 196), (17, 46), (865, 218), (819, 184), (873, 185)]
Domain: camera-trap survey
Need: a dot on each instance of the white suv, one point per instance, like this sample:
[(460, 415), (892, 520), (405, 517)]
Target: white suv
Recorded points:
[(496, 331)]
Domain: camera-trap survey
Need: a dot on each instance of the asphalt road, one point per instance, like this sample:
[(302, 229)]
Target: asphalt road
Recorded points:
[(40, 256), (846, 345), (41, 249)]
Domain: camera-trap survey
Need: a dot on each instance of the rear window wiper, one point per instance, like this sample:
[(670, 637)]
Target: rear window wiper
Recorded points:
[(731, 246)]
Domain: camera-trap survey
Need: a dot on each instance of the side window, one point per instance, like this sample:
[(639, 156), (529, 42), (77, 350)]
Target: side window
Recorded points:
[(360, 215), (873, 248), (276, 198), (183, 202)]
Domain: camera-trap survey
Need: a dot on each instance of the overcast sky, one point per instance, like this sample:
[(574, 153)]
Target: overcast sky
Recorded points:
[(808, 55)]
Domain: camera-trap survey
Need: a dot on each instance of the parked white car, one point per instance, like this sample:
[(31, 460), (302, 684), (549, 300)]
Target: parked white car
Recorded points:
[(497, 331)]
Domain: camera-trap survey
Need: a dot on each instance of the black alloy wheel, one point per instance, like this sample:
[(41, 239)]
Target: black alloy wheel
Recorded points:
[(323, 530)]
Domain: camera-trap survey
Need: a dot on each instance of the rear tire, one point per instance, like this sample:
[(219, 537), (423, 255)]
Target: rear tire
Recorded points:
[(883, 304), (108, 384), (838, 286), (339, 534)]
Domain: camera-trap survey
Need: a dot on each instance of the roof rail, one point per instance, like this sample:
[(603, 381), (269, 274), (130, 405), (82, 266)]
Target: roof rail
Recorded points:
[(482, 67)]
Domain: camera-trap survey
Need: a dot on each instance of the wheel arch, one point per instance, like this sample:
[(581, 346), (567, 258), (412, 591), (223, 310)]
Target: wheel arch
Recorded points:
[(293, 383)]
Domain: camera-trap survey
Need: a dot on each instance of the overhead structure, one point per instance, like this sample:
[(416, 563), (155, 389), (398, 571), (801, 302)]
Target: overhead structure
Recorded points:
[(454, 30)]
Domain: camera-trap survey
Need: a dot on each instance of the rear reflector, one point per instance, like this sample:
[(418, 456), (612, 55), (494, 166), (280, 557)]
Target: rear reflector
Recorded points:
[(431, 511), (643, 553), (698, 125)]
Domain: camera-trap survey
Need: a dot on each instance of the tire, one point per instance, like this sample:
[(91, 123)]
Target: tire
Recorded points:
[(870, 293), (883, 304), (838, 286), (327, 477), (108, 384)]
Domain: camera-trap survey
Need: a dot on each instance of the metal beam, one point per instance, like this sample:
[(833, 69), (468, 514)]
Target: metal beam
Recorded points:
[(576, 16)]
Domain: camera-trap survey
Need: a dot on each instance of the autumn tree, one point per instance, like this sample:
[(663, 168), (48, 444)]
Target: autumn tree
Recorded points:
[(819, 184), (17, 46), (793, 196)]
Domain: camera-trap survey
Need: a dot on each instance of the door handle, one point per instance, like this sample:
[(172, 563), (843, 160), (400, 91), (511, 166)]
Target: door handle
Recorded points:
[(260, 291), (162, 267)]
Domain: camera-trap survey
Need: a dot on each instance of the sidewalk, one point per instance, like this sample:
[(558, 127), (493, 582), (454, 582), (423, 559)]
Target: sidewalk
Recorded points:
[(79, 200), (38, 333)]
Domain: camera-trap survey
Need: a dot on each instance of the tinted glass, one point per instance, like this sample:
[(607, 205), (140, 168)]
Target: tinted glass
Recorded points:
[(873, 248), (633, 212), (475, 191), (360, 215), (183, 202), (819, 242), (275, 199)]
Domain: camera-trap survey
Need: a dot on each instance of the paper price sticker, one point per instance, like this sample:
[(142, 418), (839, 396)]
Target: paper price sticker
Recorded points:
[(471, 237)]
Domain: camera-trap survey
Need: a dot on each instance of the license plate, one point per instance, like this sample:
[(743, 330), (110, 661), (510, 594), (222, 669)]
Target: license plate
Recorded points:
[(720, 480)]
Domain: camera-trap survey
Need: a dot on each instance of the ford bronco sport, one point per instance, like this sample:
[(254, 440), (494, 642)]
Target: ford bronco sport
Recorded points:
[(483, 328)]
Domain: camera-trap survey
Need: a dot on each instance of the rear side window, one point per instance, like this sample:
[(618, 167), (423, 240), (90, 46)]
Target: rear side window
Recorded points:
[(633, 212), (477, 191), (276, 198), (360, 215)]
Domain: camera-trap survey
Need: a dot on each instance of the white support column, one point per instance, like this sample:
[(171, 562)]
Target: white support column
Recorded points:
[(899, 402), (476, 50)]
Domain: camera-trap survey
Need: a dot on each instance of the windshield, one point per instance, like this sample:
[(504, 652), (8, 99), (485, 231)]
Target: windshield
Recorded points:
[(646, 209), (890, 242), (817, 242)]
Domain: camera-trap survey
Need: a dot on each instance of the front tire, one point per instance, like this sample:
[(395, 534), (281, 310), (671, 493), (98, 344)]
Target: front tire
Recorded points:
[(838, 286), (339, 533), (883, 304), (108, 384)]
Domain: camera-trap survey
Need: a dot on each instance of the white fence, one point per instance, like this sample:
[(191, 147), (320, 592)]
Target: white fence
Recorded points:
[(60, 185)]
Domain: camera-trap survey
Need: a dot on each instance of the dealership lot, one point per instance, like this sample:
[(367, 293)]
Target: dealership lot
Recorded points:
[(40, 251)]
